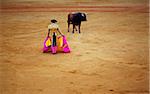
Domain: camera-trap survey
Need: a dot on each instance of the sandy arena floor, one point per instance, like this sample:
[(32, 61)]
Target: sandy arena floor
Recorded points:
[(110, 56)]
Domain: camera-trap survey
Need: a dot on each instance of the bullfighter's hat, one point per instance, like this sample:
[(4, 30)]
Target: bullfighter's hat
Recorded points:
[(53, 21)]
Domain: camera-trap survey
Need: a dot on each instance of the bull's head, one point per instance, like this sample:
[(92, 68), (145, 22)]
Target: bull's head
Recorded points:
[(83, 17)]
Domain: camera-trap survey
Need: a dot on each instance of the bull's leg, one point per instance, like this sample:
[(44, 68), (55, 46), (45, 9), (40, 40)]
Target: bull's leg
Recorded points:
[(79, 27), (73, 28), (68, 26)]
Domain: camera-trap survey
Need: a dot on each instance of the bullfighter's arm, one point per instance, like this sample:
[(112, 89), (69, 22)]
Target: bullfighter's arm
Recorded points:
[(48, 32), (60, 32)]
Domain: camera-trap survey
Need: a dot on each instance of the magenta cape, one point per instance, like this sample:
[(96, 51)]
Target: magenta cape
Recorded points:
[(61, 47)]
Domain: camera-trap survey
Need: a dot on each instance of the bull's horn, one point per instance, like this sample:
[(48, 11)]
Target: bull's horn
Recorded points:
[(86, 13)]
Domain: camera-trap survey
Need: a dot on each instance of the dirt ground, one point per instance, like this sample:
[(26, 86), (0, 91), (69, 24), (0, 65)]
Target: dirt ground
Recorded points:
[(110, 56)]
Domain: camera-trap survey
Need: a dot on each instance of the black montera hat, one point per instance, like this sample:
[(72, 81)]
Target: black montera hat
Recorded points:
[(53, 21)]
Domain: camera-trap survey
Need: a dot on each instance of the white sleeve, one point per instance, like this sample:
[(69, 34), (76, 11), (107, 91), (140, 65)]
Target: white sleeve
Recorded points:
[(49, 26)]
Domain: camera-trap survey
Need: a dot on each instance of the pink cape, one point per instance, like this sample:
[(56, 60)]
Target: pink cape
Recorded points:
[(65, 47)]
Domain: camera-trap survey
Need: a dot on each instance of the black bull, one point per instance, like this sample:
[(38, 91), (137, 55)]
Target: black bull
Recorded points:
[(76, 19)]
